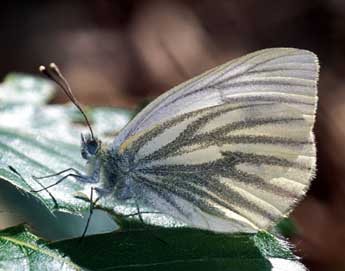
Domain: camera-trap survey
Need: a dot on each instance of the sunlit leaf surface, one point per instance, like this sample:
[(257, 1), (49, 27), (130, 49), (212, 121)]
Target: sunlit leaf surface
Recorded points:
[(24, 89), (21, 250), (40, 140)]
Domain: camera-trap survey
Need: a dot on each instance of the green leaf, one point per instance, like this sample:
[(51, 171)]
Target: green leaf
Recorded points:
[(107, 120), (41, 140), (33, 155), (38, 139), (287, 228), (19, 206), (24, 89), (21, 250), (157, 248)]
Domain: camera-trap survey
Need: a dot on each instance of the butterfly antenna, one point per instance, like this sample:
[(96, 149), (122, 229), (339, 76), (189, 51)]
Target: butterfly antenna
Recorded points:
[(53, 73), (56, 205)]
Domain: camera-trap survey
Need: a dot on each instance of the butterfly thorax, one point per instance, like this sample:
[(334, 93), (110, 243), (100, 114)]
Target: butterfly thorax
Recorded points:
[(115, 173)]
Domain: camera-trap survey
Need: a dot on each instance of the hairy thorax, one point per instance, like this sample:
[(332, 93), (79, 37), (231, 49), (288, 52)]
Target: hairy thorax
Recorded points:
[(116, 174)]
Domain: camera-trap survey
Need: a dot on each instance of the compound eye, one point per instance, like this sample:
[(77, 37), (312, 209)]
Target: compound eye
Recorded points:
[(92, 147)]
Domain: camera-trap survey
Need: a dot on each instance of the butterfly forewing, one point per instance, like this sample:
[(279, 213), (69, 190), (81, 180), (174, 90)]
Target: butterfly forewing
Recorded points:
[(231, 150), (274, 73)]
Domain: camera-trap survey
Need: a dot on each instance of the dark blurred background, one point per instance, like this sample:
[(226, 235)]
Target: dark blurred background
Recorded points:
[(121, 52)]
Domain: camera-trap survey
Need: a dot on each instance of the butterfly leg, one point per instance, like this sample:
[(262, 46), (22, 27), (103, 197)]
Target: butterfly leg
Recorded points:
[(139, 213), (79, 178), (92, 204), (102, 192), (93, 178), (56, 206), (144, 224), (56, 174)]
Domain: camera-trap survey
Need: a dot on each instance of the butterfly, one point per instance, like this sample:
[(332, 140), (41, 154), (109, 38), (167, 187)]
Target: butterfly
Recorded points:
[(231, 150)]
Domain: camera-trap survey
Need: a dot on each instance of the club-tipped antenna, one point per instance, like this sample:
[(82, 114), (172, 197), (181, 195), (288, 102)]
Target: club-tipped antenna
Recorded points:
[(54, 74)]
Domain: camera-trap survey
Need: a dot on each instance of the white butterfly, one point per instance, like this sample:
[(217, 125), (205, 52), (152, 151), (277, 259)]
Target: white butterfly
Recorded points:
[(230, 150)]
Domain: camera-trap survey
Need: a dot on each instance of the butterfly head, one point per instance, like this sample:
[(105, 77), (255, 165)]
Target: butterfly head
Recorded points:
[(90, 146)]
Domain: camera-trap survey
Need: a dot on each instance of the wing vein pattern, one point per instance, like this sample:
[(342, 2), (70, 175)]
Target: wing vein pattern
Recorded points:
[(229, 150)]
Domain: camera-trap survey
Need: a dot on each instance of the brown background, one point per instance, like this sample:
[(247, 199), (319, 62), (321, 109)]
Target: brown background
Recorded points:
[(119, 52)]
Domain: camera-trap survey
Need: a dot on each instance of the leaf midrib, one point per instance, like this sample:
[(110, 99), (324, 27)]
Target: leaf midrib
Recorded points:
[(40, 250), (204, 259)]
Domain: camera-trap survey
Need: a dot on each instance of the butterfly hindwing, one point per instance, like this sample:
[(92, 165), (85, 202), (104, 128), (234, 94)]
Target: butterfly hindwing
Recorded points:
[(237, 158)]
